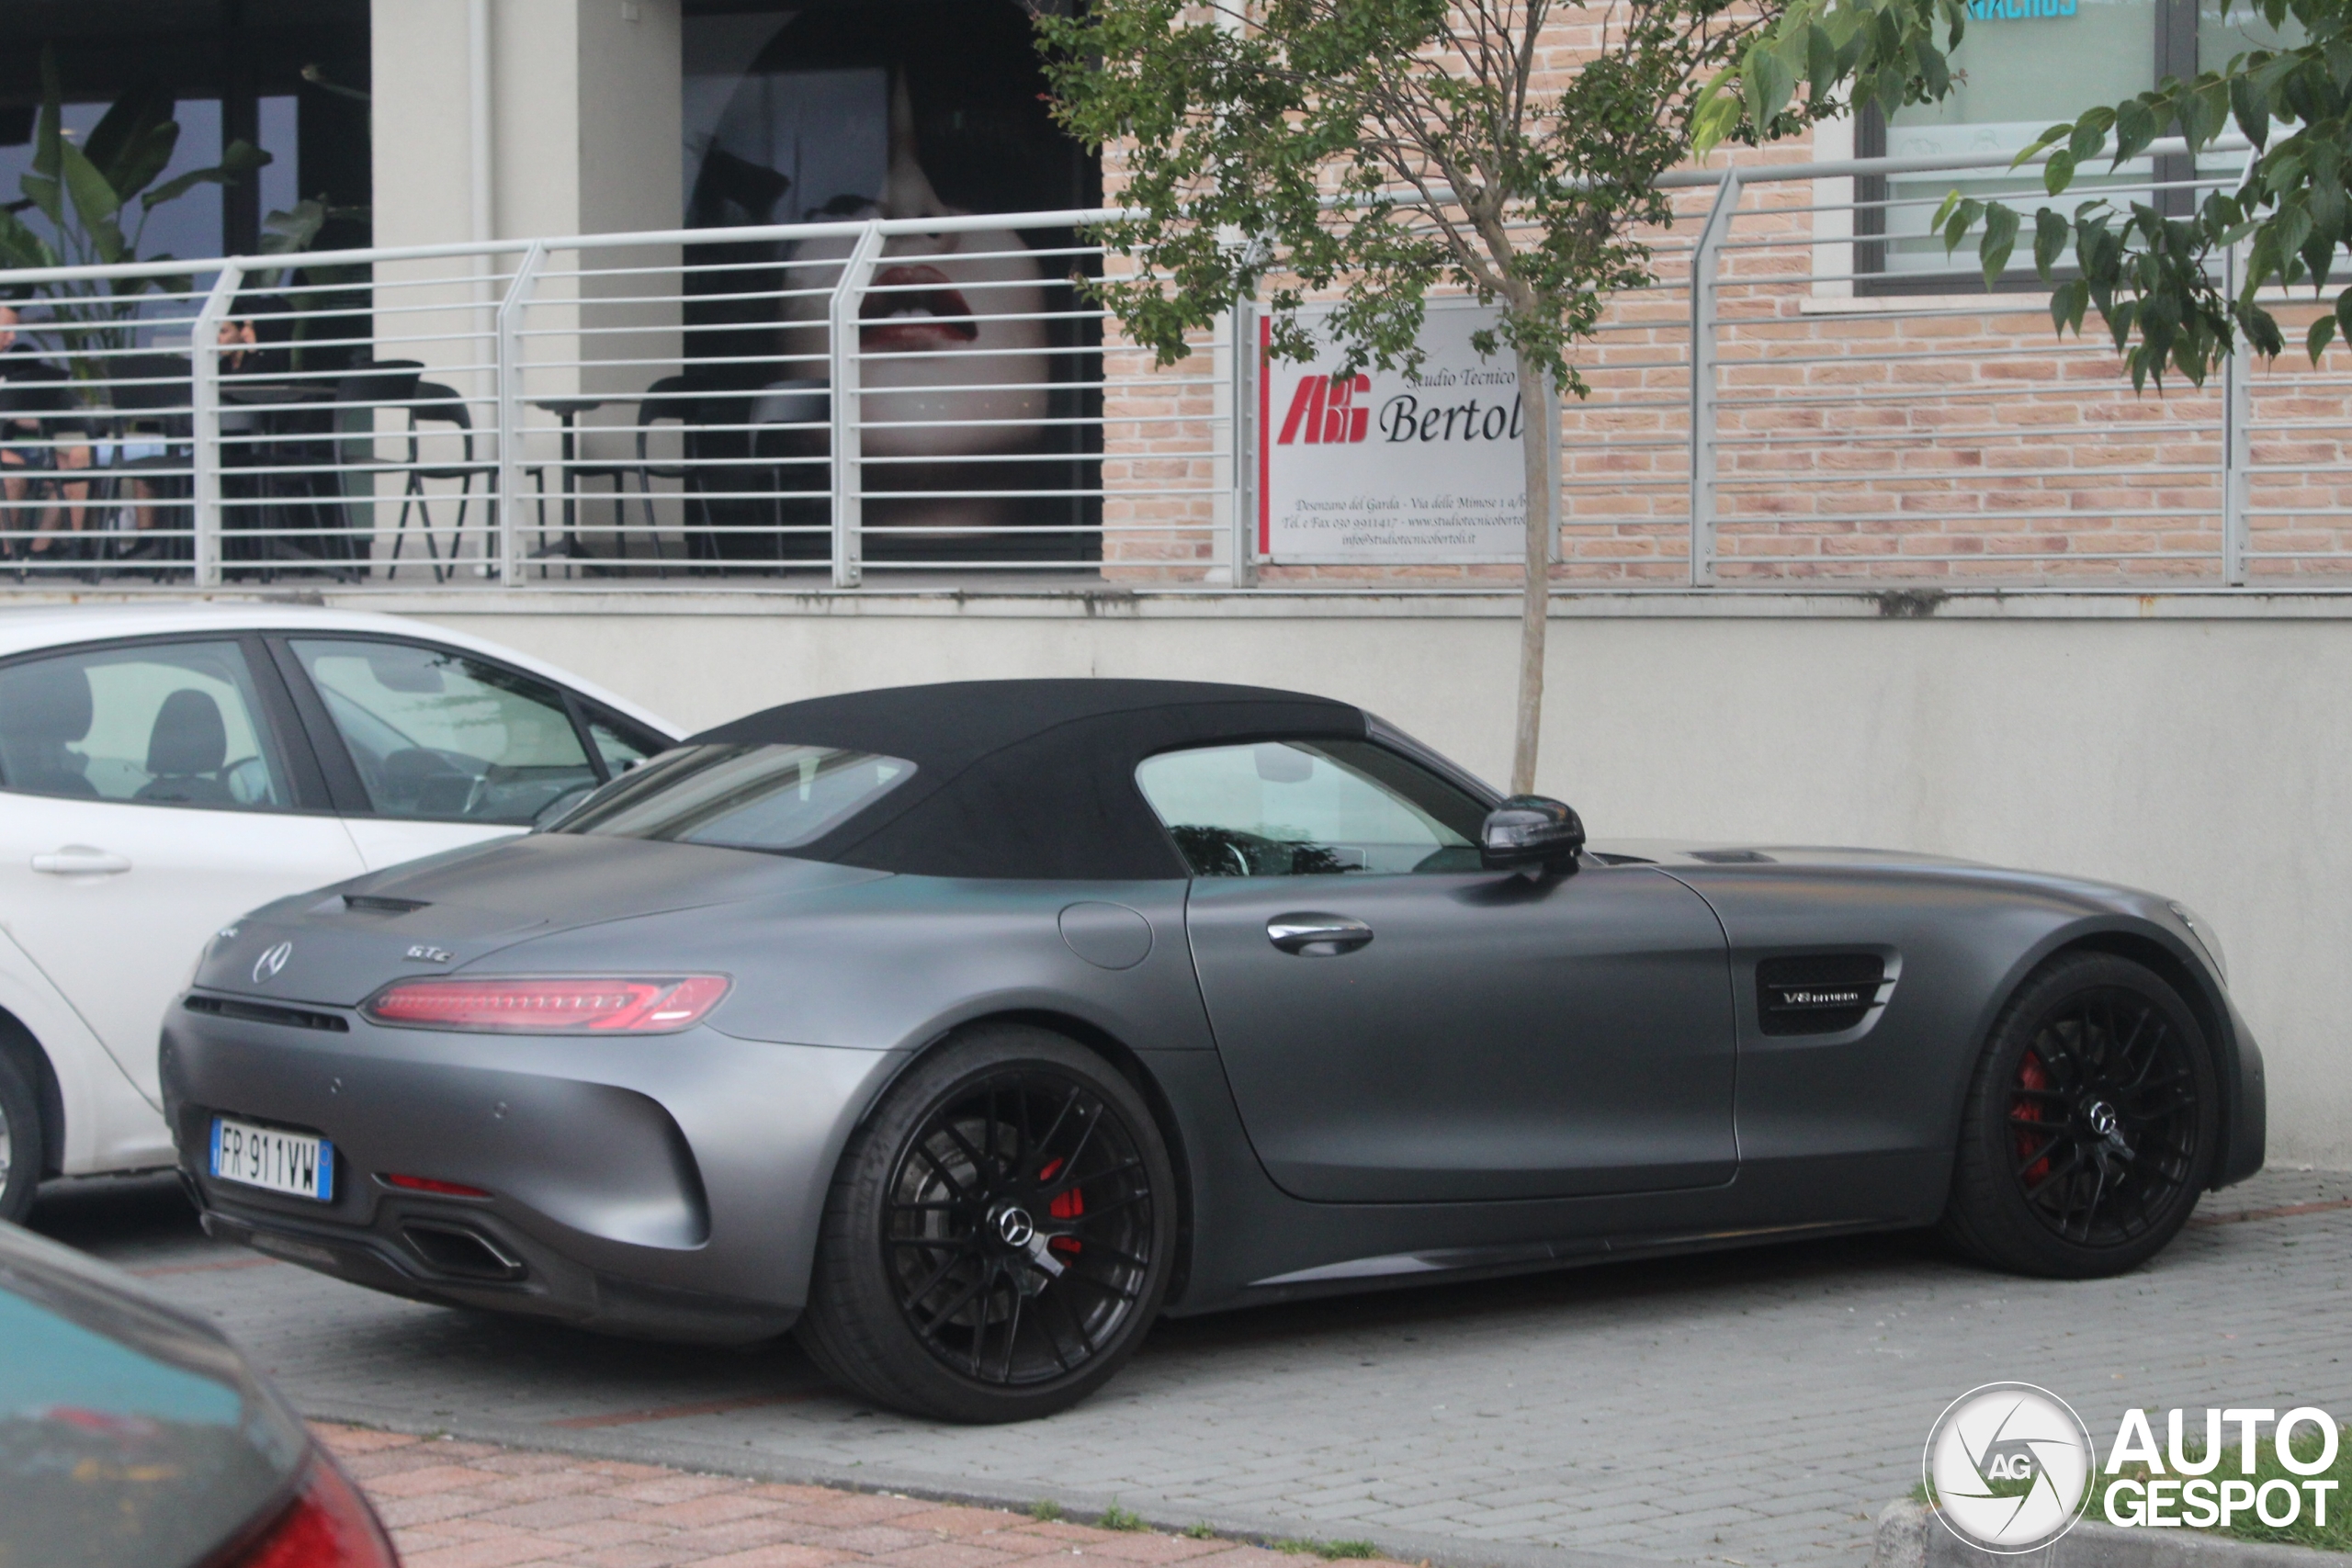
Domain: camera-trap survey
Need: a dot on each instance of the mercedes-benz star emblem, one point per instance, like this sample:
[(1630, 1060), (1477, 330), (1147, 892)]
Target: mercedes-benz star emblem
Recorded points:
[(269, 964), (2102, 1118), (1016, 1228)]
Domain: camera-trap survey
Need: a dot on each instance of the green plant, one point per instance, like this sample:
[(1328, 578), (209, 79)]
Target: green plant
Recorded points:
[(1370, 150), (1200, 1532), (1044, 1510), (2151, 275), (83, 195), (1328, 1550), (1115, 1518)]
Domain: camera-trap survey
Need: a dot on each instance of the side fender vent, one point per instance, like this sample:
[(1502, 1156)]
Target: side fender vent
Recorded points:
[(1818, 993)]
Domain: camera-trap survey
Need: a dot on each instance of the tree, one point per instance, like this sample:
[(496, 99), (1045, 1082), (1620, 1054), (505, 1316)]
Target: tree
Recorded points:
[(2151, 275), (83, 193), (1372, 150)]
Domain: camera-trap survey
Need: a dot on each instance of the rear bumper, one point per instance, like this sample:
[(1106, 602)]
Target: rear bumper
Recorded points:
[(668, 1186)]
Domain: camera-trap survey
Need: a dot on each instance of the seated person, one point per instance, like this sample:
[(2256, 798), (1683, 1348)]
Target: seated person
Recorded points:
[(37, 413)]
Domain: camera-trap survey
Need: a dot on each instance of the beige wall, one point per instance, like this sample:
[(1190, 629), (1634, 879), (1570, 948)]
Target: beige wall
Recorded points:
[(2196, 747)]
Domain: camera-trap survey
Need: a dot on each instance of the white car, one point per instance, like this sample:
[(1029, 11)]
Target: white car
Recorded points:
[(165, 768)]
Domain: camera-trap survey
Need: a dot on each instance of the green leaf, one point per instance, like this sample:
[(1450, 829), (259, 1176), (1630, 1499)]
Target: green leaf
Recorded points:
[(49, 133), (2050, 233), (1713, 112), (2322, 332), (242, 158), (1963, 217), (2058, 174), (1944, 211), (45, 194), (122, 145), (1769, 82), (2090, 133), (2000, 239), (2251, 110), (2135, 127), (94, 201), (2040, 144), (2343, 313)]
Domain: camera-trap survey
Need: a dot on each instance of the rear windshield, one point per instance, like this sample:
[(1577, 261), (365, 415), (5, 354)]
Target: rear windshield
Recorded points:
[(739, 797)]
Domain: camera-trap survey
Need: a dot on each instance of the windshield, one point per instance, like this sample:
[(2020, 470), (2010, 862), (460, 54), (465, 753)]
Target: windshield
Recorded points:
[(739, 797)]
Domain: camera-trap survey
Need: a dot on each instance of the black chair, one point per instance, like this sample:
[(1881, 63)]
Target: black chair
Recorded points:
[(790, 433), (573, 472), (672, 399), (152, 396), (301, 433), (436, 404)]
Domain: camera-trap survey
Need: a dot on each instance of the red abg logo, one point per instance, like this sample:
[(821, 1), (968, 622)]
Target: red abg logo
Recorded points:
[(1324, 410)]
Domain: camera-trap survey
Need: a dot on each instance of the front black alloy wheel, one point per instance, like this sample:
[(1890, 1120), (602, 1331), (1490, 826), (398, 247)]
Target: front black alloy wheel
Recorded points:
[(2091, 1126), (1000, 1234)]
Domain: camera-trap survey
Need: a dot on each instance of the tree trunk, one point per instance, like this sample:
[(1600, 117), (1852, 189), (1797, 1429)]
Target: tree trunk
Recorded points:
[(1540, 443)]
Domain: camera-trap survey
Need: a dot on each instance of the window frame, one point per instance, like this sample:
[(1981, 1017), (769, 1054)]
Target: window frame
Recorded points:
[(278, 715), (343, 785)]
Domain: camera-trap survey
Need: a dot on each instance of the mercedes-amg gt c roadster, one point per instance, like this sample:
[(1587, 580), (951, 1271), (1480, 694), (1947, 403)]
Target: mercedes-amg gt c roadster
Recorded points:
[(967, 1028)]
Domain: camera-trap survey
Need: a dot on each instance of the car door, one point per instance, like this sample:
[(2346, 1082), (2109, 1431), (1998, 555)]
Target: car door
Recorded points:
[(150, 794), (1400, 1025), (430, 748)]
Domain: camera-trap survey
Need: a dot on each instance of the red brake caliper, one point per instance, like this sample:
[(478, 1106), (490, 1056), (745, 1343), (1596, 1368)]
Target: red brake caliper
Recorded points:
[(2031, 1073), (1067, 1206)]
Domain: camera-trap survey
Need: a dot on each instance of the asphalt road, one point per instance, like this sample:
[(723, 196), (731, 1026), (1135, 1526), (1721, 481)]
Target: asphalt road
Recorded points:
[(1751, 1408)]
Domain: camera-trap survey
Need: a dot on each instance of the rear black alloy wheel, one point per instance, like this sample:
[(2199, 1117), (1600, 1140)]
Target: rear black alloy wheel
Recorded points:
[(2090, 1128), (1000, 1235)]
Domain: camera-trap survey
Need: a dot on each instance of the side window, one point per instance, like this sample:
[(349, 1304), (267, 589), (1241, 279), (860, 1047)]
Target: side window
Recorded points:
[(171, 724), (1308, 808), (438, 735), (620, 750)]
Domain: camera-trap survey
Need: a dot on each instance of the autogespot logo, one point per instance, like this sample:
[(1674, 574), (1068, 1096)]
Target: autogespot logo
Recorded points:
[(2009, 1466)]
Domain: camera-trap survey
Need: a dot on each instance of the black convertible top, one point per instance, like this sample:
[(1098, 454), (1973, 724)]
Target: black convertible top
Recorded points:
[(1028, 778)]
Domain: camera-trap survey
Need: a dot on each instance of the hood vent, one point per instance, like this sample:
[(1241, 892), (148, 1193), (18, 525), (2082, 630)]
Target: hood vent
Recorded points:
[(1820, 994), (372, 904), (1732, 857)]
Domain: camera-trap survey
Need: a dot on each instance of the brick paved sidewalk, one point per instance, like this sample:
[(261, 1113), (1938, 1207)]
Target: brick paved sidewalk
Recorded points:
[(459, 1505)]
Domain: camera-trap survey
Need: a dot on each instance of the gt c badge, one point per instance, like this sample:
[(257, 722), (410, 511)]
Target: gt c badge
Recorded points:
[(271, 964), (421, 954)]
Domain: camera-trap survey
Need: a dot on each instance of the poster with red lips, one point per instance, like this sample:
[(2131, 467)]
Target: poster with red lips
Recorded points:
[(1386, 467)]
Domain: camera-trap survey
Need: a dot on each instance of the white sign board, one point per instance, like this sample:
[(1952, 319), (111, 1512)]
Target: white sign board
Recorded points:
[(1382, 467)]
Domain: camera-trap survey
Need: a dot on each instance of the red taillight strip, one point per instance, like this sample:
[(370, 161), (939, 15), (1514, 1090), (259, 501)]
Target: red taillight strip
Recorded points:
[(429, 1184), (555, 1004), (328, 1525)]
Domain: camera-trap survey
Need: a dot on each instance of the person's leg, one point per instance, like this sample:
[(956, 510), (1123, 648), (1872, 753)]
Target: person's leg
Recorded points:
[(77, 491)]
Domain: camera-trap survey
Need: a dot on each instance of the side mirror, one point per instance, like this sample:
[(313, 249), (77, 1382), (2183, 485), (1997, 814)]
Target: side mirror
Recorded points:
[(1530, 831)]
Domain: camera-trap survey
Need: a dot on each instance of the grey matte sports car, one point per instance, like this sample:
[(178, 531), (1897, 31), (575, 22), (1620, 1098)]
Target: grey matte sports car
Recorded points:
[(968, 1028)]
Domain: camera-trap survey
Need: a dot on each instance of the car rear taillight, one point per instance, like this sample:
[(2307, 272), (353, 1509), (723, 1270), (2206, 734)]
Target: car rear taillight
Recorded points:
[(328, 1525), (564, 1004)]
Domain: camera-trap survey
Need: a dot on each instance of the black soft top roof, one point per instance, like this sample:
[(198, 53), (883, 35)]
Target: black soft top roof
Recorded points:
[(1028, 778)]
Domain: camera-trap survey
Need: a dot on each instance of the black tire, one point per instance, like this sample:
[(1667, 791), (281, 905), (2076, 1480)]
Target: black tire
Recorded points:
[(23, 1155), (999, 1233), (2090, 1126)]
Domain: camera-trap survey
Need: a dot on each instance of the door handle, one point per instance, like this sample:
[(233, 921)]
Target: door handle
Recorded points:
[(1311, 934), (81, 860)]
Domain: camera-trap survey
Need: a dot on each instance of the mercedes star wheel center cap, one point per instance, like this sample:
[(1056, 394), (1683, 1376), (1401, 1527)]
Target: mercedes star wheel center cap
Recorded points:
[(1015, 1226), (2102, 1118)]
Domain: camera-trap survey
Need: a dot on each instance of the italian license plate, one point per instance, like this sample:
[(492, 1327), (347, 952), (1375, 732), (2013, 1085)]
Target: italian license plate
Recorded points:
[(292, 1163)]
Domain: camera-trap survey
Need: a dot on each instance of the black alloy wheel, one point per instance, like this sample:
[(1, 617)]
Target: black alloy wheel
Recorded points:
[(1000, 1235), (2091, 1129)]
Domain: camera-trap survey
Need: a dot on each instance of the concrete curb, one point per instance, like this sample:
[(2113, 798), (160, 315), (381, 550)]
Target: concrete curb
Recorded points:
[(1907, 1538), (1082, 1507)]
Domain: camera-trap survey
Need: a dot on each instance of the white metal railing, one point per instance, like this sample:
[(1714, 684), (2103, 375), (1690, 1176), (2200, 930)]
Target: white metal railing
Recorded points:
[(1806, 395)]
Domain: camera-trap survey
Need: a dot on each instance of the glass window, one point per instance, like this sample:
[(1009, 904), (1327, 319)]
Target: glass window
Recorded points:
[(436, 734), (1307, 808), (741, 797), (618, 752), (2024, 66), (174, 724)]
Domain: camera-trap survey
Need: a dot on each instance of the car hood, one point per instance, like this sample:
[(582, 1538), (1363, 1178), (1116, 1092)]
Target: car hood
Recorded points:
[(129, 1432), (334, 947), (1698, 853)]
